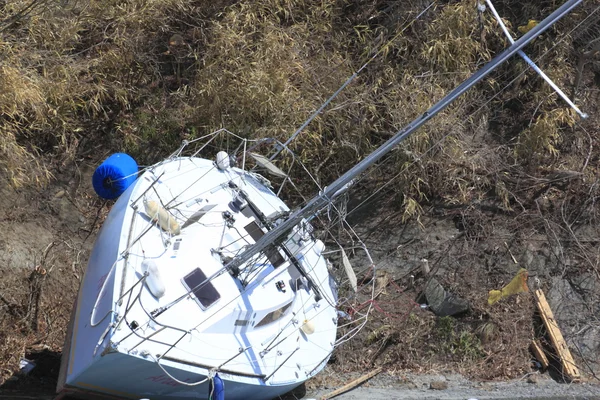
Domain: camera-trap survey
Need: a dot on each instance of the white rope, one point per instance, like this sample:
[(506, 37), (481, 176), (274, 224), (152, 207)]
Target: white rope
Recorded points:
[(157, 361)]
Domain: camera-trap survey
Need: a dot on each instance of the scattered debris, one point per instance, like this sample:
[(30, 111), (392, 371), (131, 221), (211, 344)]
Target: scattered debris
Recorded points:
[(352, 384), (425, 266), (349, 270), (382, 280), (443, 303), (570, 370), (265, 163), (517, 285), (511, 254)]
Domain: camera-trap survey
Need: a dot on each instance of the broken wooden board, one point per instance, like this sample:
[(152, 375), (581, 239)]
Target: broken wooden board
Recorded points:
[(538, 352), (570, 370)]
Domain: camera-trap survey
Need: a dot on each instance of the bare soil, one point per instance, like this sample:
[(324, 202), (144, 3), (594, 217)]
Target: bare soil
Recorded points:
[(46, 236)]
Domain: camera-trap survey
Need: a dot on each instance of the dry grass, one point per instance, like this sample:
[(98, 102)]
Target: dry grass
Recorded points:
[(82, 78), (142, 76)]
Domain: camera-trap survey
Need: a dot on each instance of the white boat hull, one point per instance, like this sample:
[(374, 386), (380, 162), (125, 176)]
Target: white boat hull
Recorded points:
[(106, 353), (130, 377)]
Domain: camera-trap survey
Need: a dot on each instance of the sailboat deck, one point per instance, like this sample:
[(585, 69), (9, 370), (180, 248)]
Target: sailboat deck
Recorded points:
[(225, 333)]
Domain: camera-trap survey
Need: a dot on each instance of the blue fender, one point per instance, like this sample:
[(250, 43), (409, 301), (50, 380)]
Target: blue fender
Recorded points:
[(114, 175), (216, 388)]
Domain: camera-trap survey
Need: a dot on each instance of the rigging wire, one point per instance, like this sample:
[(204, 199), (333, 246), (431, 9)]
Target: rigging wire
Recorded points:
[(348, 81), (370, 304), (427, 151), (437, 142), (445, 136), (419, 158), (341, 183)]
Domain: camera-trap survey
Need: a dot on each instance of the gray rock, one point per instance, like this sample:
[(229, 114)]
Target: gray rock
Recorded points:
[(529, 257), (438, 385), (566, 304), (575, 315), (443, 303), (589, 286), (589, 344)]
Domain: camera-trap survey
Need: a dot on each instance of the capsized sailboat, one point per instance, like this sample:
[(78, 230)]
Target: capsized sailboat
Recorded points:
[(202, 281)]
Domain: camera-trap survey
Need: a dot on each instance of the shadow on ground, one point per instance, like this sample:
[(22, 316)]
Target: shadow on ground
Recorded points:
[(39, 383)]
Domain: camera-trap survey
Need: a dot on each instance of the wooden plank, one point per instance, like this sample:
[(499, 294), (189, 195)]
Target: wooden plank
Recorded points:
[(569, 368), (538, 352), (352, 385)]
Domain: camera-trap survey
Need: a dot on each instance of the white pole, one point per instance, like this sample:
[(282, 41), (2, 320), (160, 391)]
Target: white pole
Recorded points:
[(532, 64)]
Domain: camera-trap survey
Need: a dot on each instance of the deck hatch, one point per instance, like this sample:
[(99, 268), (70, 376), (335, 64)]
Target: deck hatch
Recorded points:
[(205, 292), (274, 315)]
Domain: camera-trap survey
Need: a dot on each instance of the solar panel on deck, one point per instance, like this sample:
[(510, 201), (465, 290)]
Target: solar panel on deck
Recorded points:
[(205, 292)]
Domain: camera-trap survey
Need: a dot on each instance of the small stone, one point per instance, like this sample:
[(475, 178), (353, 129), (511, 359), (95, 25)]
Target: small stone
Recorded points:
[(534, 378), (438, 385), (411, 385)]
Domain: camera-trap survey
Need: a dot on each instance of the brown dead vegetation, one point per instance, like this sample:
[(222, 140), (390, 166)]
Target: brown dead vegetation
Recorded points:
[(80, 79)]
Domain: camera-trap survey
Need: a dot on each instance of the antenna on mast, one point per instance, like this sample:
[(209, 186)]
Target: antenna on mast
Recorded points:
[(529, 61)]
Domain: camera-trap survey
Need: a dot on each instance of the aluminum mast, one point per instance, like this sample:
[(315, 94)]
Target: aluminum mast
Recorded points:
[(341, 183)]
